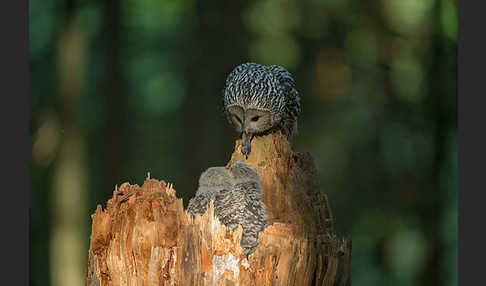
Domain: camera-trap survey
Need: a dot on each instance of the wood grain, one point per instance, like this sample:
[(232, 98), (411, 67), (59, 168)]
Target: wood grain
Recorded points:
[(145, 237)]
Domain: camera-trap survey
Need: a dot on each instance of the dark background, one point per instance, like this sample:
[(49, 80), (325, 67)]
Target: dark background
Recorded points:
[(121, 88)]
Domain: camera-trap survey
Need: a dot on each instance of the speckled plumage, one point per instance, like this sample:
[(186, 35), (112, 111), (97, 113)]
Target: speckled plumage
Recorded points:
[(211, 182), (238, 201), (267, 89)]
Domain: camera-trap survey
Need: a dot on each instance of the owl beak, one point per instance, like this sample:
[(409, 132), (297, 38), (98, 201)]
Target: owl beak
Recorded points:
[(246, 143)]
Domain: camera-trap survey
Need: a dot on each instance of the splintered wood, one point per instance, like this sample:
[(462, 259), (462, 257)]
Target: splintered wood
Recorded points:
[(144, 236)]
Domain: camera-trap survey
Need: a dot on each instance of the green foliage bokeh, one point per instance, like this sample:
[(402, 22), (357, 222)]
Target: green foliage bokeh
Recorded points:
[(138, 85)]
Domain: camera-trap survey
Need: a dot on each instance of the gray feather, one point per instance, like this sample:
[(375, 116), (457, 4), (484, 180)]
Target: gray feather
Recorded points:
[(236, 202), (265, 88)]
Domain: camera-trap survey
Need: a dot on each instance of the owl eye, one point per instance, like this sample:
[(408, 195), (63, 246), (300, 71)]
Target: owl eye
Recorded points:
[(255, 118)]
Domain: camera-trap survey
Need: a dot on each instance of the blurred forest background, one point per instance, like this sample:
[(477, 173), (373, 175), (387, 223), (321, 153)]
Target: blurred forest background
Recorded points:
[(122, 88)]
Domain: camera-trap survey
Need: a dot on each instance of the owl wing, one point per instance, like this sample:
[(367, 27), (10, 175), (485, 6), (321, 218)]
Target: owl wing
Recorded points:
[(292, 105), (199, 203), (244, 206), (255, 218), (229, 206)]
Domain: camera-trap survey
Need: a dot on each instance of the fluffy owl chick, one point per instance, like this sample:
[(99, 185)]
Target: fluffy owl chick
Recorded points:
[(211, 182), (259, 99), (243, 205)]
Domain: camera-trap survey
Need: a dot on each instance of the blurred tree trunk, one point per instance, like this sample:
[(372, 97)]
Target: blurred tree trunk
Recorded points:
[(442, 107), (208, 67), (144, 236), (113, 148), (69, 191)]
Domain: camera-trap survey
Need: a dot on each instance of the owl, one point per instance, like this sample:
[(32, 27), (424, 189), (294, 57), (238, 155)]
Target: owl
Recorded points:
[(211, 182), (258, 100), (243, 205), (238, 200)]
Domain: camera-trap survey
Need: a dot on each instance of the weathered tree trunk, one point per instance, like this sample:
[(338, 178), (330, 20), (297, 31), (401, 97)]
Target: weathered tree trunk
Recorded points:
[(144, 236)]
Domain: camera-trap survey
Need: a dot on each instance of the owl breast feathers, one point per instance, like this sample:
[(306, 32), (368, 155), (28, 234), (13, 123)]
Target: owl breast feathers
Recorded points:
[(237, 196)]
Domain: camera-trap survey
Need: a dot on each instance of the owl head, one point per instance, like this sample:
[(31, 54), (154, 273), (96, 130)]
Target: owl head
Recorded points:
[(243, 173), (253, 98), (259, 99), (216, 177)]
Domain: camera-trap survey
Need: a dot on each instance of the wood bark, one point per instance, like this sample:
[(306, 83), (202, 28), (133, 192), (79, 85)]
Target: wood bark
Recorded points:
[(145, 237)]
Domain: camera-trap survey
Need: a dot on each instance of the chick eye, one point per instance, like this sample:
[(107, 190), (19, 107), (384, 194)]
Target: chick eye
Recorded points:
[(255, 118)]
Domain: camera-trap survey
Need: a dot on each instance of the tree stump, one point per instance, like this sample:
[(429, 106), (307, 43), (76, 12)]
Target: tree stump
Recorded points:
[(145, 237)]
